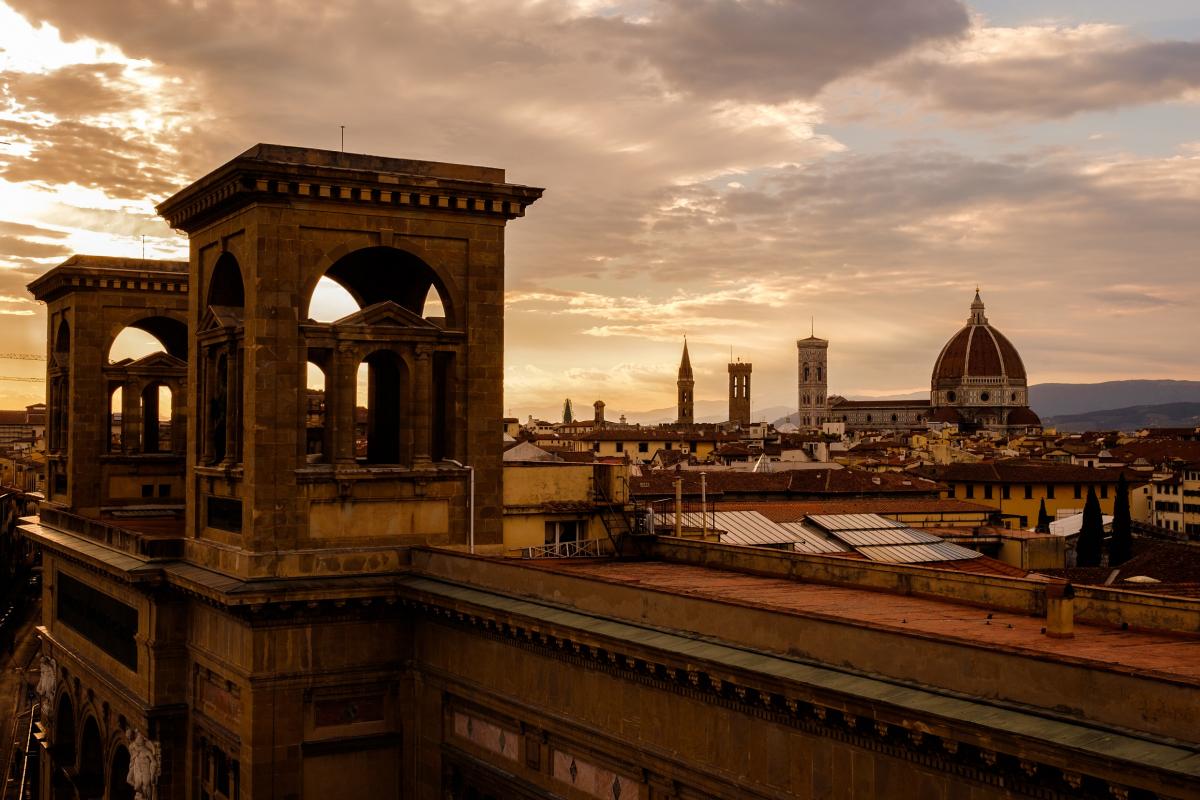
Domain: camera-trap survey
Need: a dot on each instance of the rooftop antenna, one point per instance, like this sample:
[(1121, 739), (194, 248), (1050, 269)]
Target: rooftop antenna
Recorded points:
[(343, 127), (812, 327)]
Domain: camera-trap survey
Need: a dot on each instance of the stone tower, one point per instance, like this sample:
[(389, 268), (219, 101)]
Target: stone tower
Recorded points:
[(687, 389), (106, 446), (739, 393), (394, 233), (813, 378), (598, 414)]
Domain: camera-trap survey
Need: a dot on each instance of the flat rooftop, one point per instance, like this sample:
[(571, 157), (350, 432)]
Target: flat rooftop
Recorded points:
[(1167, 655)]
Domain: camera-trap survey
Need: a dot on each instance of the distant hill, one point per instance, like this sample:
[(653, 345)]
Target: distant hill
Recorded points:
[(1131, 418), (1065, 399)]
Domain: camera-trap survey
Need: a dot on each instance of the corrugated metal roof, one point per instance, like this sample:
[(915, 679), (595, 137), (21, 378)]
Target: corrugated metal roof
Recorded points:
[(752, 528), (869, 538), (812, 541), (918, 553), (853, 522)]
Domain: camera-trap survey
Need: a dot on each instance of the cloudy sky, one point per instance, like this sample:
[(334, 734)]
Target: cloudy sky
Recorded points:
[(728, 169)]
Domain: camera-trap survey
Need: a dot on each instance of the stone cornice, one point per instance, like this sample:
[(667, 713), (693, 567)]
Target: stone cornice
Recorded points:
[(271, 174)]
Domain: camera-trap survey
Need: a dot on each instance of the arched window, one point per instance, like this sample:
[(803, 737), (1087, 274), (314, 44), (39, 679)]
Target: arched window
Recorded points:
[(222, 364), (316, 445), (116, 416)]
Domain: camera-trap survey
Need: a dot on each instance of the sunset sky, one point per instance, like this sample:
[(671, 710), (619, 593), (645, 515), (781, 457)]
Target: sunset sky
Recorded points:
[(728, 169)]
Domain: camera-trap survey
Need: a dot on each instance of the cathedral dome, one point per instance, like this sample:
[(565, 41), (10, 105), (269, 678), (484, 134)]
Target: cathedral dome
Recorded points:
[(978, 353)]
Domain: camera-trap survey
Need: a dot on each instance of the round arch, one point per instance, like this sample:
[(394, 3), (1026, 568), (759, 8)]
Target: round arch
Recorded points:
[(372, 273), (62, 338), (172, 333), (90, 775), (64, 731), (226, 287), (118, 774)]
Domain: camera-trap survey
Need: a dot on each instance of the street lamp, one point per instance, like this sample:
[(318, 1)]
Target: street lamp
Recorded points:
[(471, 503)]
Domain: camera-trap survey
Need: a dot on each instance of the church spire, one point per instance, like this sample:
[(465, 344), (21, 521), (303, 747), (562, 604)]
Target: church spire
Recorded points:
[(977, 317), (686, 387), (685, 364)]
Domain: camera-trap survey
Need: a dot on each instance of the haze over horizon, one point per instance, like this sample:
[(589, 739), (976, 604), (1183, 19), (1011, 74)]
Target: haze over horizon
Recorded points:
[(721, 168)]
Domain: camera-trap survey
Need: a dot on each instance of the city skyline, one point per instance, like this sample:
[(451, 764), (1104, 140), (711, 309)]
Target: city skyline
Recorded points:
[(1044, 151)]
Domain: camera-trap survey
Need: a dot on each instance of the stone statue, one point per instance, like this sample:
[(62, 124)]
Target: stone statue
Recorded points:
[(145, 765), (48, 679)]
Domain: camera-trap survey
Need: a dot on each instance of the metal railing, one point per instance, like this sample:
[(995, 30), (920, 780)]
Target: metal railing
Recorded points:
[(586, 548)]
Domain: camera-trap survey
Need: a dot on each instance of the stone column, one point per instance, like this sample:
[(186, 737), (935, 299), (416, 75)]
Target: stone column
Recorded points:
[(178, 417), (150, 433), (131, 416), (422, 417), (206, 372), (341, 385)]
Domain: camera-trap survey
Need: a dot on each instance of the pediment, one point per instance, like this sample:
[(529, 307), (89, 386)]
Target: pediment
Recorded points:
[(386, 314), (223, 317), (159, 360)]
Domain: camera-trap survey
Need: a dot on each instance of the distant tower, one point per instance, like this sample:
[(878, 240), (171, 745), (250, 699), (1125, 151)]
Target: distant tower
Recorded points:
[(599, 419), (687, 389), (568, 414), (739, 393), (813, 379)]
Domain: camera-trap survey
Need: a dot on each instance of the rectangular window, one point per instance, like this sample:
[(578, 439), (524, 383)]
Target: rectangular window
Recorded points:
[(1004, 492), (1028, 492), (620, 447), (164, 490), (1049, 491), (952, 490), (643, 447), (225, 513), (559, 531), (103, 620), (970, 491), (987, 492), (595, 447), (1078, 491), (147, 490), (1104, 491)]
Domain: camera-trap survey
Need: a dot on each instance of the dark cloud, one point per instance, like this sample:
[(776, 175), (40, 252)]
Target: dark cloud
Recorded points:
[(12, 246), (76, 90), (19, 229), (1057, 84), (117, 160), (775, 50)]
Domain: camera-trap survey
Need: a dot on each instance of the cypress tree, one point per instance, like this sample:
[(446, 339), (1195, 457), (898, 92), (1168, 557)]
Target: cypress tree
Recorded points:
[(1120, 547), (1043, 523), (568, 414), (1091, 533)]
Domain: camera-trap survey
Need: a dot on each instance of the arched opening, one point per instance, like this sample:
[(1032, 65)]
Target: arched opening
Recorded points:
[(316, 439), (227, 290), (147, 336), (118, 773), (62, 340), (64, 733), (377, 274), (89, 780), (382, 400), (330, 302), (116, 415)]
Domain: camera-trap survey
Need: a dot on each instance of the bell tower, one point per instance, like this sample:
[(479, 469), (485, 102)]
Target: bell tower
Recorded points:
[(813, 380), (739, 393), (412, 392), (686, 386)]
